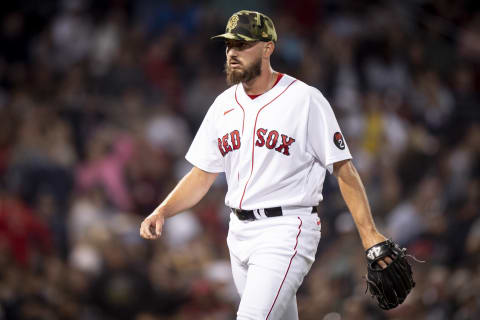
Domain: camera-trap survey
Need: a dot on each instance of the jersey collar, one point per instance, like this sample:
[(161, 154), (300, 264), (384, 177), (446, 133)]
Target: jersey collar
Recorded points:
[(266, 96)]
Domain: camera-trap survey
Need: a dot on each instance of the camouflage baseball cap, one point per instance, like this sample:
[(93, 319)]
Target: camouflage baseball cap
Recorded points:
[(249, 26)]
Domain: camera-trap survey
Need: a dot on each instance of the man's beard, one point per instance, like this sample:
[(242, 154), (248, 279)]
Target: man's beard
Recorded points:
[(235, 76)]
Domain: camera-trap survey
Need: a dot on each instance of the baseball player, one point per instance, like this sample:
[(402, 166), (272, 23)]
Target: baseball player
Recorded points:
[(275, 137)]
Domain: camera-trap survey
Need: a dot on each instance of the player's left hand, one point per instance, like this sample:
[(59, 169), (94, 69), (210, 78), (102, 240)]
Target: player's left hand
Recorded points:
[(374, 240), (389, 285)]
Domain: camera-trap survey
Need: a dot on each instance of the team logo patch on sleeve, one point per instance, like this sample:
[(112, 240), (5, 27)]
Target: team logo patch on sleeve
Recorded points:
[(338, 140)]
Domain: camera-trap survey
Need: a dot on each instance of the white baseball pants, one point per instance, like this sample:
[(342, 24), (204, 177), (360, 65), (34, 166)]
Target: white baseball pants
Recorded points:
[(270, 257)]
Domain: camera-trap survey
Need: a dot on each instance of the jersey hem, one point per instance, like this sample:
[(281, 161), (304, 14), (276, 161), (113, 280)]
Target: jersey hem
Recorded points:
[(331, 161), (204, 168)]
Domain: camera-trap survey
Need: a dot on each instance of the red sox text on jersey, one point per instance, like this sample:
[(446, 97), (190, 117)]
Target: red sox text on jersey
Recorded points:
[(270, 140)]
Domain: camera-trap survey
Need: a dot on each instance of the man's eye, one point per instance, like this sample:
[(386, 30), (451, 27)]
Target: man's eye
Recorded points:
[(243, 46), (239, 46)]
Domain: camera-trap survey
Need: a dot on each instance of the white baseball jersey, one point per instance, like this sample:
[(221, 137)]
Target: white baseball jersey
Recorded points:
[(274, 149)]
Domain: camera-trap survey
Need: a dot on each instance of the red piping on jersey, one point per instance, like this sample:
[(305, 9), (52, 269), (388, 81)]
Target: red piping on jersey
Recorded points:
[(254, 129), (243, 121), (291, 259)]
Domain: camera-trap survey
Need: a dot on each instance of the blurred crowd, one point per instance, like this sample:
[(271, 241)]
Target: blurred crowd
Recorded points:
[(99, 101)]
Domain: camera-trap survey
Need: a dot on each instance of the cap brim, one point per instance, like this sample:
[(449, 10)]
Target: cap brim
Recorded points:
[(234, 36)]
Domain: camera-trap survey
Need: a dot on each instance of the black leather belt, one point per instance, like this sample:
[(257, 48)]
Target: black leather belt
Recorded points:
[(269, 212)]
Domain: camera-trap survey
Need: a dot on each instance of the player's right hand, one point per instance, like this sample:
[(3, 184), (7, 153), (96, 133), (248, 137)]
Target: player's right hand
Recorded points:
[(151, 227)]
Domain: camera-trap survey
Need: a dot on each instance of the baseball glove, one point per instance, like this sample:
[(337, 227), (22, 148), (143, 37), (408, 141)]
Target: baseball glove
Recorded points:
[(389, 286)]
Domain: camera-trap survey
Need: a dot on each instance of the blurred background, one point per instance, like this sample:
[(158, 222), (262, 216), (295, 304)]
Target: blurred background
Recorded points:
[(100, 99)]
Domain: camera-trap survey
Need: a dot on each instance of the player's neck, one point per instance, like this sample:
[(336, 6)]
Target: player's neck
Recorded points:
[(262, 83)]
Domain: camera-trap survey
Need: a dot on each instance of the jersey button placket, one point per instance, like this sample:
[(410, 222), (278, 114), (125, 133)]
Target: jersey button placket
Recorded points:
[(247, 154)]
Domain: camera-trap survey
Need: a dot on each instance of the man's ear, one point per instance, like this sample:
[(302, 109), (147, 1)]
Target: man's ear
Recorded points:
[(268, 49)]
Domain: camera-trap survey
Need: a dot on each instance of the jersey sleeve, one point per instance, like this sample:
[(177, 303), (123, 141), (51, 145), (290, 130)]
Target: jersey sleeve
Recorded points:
[(203, 152), (325, 139)]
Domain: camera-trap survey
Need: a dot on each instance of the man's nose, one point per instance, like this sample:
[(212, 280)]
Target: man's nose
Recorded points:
[(231, 52)]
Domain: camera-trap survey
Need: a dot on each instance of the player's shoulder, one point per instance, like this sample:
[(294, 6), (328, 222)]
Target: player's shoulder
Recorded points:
[(312, 95), (227, 96), (300, 86)]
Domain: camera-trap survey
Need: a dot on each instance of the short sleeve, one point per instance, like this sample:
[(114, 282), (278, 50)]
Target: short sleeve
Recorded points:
[(203, 152), (325, 139)]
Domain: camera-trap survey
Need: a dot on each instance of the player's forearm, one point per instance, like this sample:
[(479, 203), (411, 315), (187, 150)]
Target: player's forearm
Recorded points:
[(355, 197), (188, 192)]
